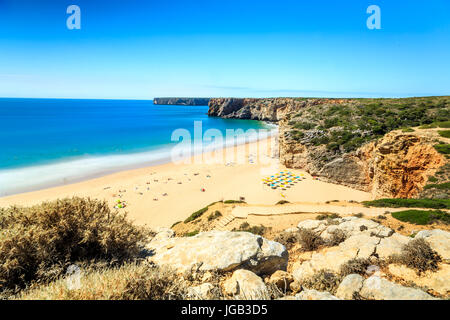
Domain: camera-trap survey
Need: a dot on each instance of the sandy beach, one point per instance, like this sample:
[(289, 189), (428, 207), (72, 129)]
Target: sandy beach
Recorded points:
[(164, 194)]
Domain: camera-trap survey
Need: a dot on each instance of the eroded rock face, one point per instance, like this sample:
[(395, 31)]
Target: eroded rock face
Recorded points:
[(219, 250), (396, 166), (255, 109)]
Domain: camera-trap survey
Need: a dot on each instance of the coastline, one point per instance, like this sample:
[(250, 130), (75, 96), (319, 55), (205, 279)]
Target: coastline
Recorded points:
[(70, 171), (164, 194)]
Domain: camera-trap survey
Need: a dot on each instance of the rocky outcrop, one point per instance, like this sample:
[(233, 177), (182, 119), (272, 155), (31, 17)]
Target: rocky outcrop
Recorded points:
[(396, 166), (182, 101), (311, 294), (439, 241), (438, 280), (253, 109), (377, 288), (337, 141), (350, 287), (367, 239), (245, 285), (359, 267), (220, 251)]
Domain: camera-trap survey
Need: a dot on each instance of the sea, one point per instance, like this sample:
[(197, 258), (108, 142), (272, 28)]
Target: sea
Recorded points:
[(51, 142)]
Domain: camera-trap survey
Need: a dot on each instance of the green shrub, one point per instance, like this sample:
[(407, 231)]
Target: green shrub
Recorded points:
[(214, 215), (421, 217), (196, 215), (304, 125), (175, 224), (444, 133), (440, 186), (192, 233), (37, 243), (410, 203), (444, 124), (443, 148), (234, 201), (258, 230)]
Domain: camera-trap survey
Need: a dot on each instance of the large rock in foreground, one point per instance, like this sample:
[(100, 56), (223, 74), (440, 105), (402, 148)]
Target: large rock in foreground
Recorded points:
[(245, 285), (219, 250), (381, 289)]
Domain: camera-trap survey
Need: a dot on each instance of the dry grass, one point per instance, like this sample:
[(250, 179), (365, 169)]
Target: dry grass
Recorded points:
[(417, 254), (38, 243), (337, 237), (323, 280), (128, 282), (357, 265), (309, 240)]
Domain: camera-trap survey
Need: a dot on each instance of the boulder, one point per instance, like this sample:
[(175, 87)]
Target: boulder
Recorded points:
[(245, 285), (363, 243), (311, 224), (350, 285), (330, 258), (439, 241), (315, 295), (381, 289), (438, 281), (281, 279), (391, 245), (219, 250), (204, 291), (353, 226)]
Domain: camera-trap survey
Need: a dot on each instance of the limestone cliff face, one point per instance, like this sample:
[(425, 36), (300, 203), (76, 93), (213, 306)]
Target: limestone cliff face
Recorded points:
[(181, 101), (273, 109), (397, 165), (267, 109)]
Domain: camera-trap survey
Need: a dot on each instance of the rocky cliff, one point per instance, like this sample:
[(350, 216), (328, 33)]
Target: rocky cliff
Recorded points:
[(182, 101), (397, 165), (353, 142)]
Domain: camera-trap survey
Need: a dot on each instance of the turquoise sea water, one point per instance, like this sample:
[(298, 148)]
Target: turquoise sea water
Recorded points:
[(48, 142)]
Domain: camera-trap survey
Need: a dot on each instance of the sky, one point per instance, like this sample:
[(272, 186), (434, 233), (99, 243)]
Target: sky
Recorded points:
[(139, 49)]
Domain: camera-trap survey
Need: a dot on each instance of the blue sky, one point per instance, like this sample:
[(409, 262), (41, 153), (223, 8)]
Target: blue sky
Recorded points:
[(140, 49)]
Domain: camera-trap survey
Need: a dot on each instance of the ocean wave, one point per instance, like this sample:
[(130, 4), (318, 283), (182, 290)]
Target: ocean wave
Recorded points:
[(18, 180)]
